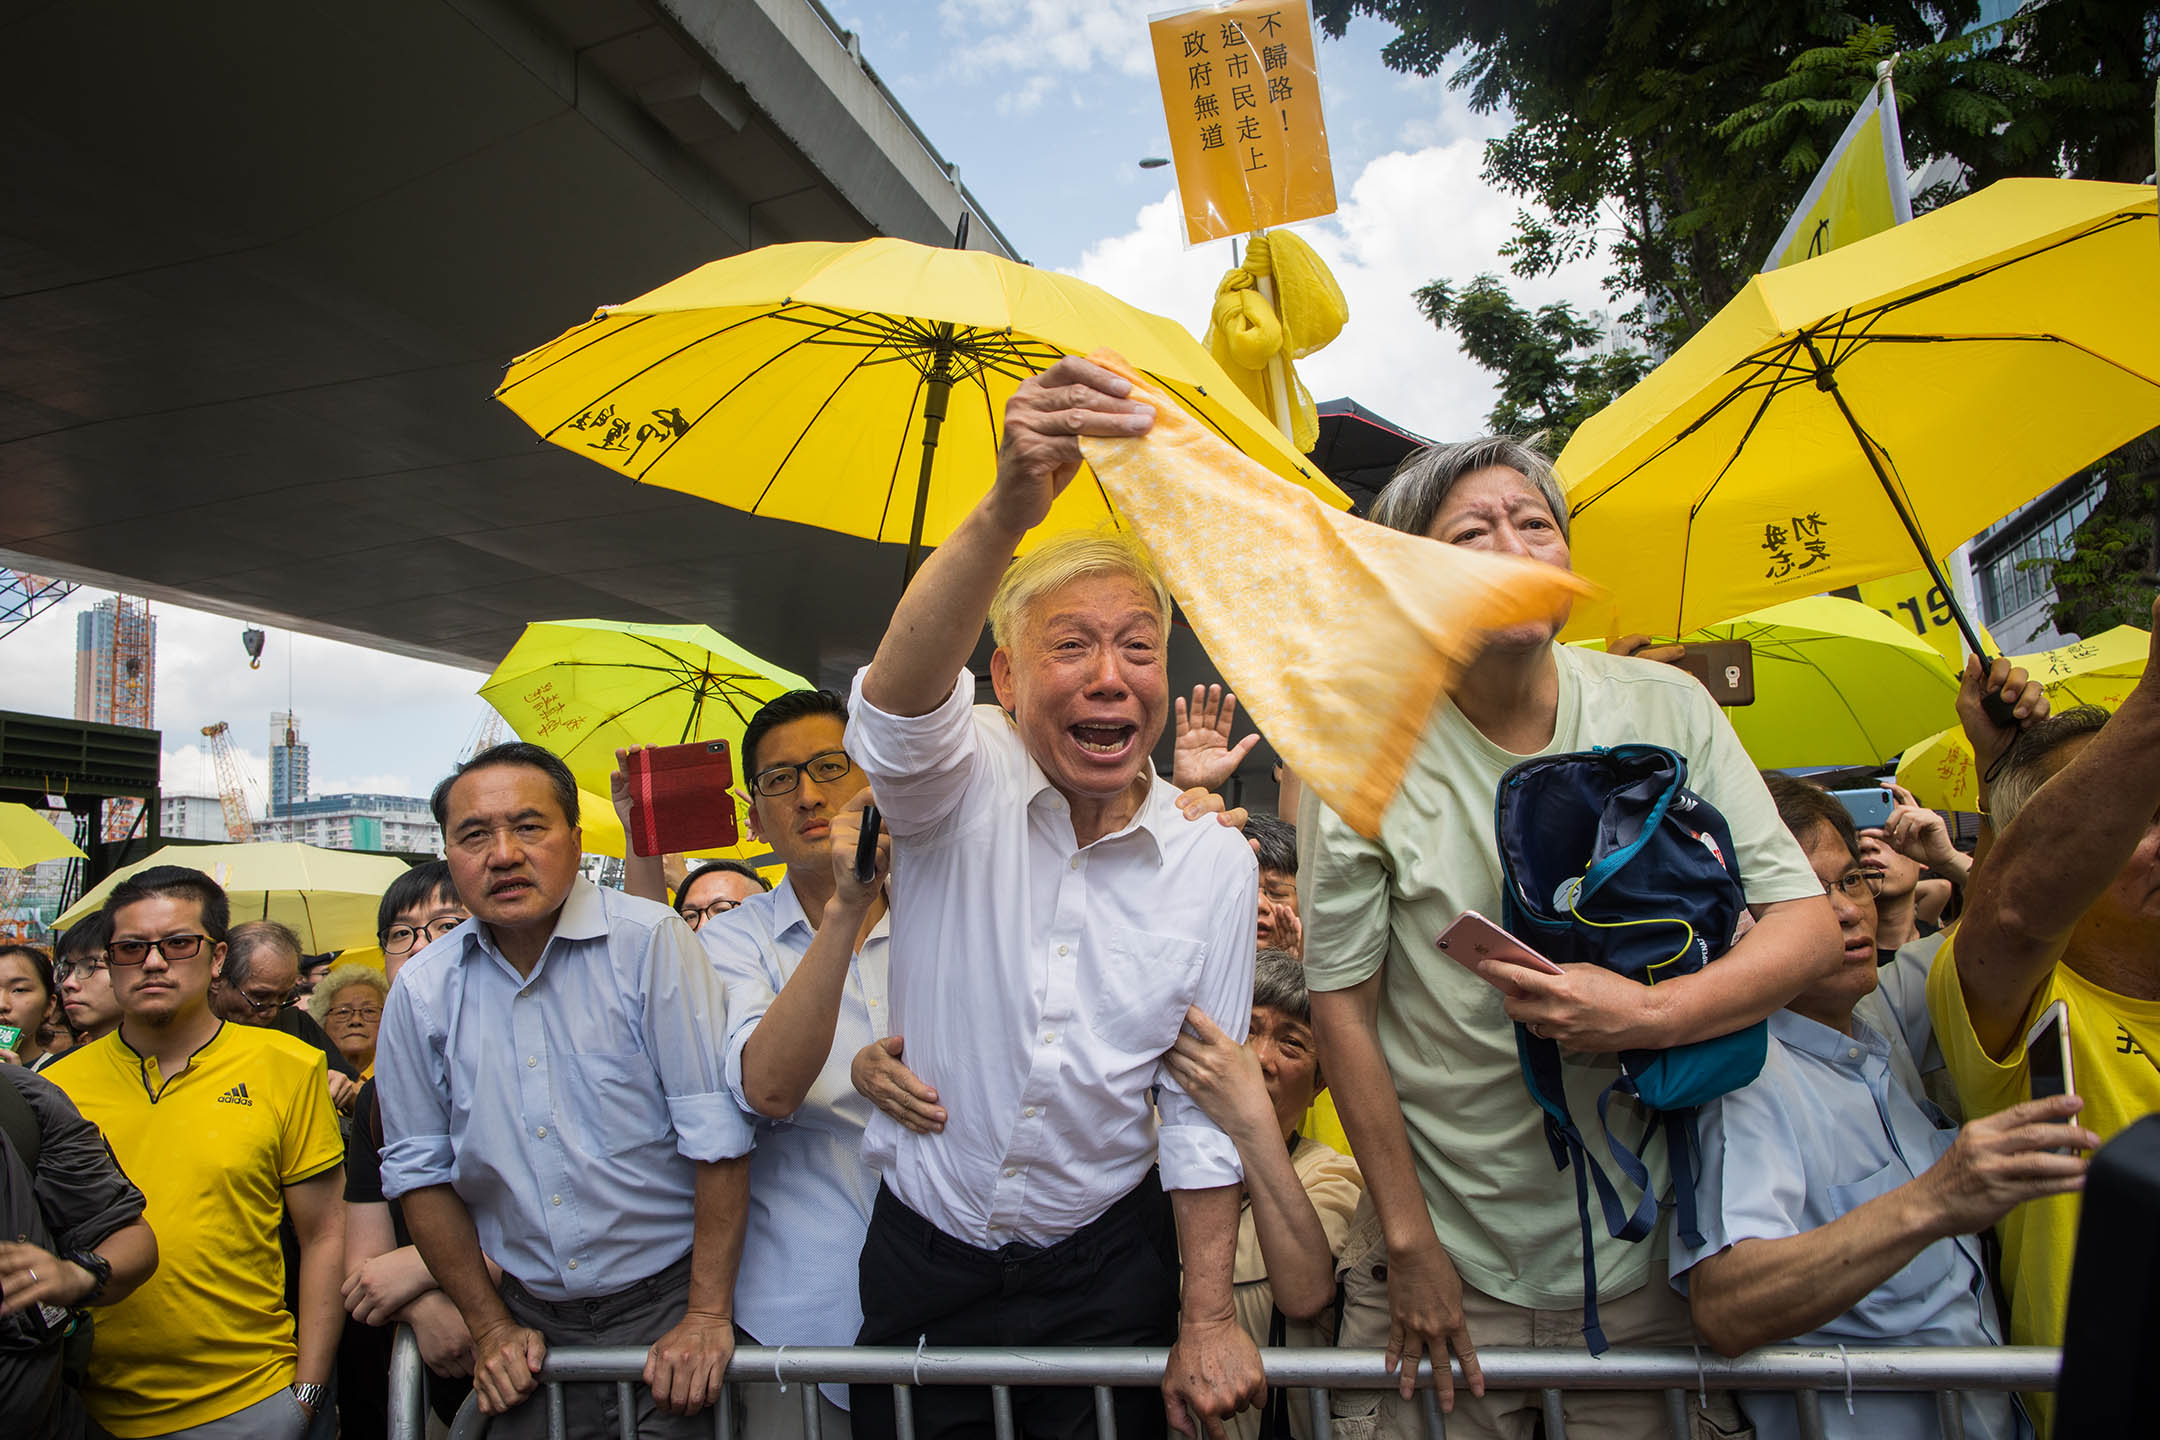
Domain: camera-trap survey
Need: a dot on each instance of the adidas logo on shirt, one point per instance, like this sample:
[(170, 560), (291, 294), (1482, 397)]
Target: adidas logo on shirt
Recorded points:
[(236, 1096)]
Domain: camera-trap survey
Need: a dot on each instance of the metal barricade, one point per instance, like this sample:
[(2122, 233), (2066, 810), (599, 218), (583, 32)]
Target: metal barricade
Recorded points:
[(1814, 1377)]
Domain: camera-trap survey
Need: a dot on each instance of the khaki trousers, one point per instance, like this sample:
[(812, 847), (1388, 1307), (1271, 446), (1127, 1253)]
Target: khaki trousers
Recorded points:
[(1653, 1315)]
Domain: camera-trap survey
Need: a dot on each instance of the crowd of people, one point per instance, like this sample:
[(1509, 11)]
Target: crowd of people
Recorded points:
[(1082, 1059)]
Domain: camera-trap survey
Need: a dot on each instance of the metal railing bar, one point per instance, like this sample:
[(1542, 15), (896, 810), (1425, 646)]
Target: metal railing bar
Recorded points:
[(558, 1419), (1916, 1368), (1950, 1414), (1001, 1416), (813, 1417), (1435, 1420), (1808, 1404), (903, 1409), (625, 1411), (723, 1421), (1555, 1414), (1105, 1412), (1676, 1416), (408, 1387)]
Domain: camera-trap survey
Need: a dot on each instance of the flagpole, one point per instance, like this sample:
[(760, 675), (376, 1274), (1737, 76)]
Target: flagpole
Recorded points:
[(1278, 381)]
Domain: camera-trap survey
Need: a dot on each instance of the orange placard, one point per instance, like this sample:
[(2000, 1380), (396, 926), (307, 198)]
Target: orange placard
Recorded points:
[(1241, 91)]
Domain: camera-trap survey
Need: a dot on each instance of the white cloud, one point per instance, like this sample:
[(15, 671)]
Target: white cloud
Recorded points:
[(1029, 96), (1053, 36), (372, 721), (1410, 216)]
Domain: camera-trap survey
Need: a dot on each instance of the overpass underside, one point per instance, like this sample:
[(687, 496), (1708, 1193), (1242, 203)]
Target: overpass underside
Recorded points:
[(262, 264)]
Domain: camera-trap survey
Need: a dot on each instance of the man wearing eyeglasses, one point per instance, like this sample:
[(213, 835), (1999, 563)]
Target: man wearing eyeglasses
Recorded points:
[(259, 984), (86, 993), (805, 971), (226, 1129), (1837, 1208)]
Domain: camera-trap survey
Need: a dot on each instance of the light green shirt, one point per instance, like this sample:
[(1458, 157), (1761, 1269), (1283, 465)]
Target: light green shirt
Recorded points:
[(1504, 1212)]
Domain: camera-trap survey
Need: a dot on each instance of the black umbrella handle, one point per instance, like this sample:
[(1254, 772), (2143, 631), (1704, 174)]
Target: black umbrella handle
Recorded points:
[(1999, 710), (866, 847)]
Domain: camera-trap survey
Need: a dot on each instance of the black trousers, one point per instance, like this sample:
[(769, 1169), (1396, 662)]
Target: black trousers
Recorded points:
[(1114, 1281)]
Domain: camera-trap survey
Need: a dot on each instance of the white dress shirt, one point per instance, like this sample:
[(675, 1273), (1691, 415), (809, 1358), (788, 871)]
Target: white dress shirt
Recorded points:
[(810, 1191), (1037, 982)]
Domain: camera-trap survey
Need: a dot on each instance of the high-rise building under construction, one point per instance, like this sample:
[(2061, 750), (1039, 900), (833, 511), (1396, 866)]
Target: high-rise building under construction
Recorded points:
[(288, 763), (116, 681)]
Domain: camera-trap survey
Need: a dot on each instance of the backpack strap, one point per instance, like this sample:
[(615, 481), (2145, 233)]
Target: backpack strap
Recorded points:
[(20, 1124), (1684, 1148)]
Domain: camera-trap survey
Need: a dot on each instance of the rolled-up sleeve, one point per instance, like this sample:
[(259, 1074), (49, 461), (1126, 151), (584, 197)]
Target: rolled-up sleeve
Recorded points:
[(1343, 898), (919, 765), (1752, 1185), (737, 958), (685, 1023), (1194, 1153), (412, 1084)]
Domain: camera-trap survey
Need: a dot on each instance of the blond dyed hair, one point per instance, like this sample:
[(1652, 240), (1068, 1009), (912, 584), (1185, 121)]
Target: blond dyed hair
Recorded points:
[(1054, 564)]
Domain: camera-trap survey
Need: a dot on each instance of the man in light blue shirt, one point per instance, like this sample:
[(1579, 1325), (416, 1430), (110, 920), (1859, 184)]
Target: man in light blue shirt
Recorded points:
[(805, 972), (551, 1093), (1836, 1207)]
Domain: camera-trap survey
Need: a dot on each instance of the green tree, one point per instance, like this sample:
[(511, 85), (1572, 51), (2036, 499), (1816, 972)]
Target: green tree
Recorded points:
[(1553, 366), (2107, 576)]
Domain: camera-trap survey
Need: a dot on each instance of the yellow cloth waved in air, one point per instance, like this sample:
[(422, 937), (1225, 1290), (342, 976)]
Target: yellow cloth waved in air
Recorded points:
[(1338, 635), (1244, 331)]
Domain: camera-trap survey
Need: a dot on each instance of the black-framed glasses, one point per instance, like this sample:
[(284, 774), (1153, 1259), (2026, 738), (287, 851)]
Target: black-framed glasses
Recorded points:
[(824, 768), (697, 915), (270, 1006), (400, 938), (80, 966), (1854, 884), (134, 952)]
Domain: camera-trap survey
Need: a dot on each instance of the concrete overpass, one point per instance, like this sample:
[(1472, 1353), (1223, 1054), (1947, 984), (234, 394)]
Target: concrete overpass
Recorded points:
[(262, 263)]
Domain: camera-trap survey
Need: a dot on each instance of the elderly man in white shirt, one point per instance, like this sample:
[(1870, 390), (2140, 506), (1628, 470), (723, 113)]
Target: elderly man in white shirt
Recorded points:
[(1054, 913)]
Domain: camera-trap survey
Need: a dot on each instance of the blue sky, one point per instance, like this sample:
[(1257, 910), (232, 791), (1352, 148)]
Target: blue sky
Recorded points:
[(1046, 106)]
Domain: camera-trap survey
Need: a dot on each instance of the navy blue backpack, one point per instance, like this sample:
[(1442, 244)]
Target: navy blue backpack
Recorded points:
[(1609, 859)]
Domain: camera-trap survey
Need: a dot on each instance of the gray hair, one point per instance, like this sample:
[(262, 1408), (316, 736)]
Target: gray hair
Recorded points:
[(1279, 984), (2025, 769), (247, 938), (342, 978), (1422, 482), (1058, 562)]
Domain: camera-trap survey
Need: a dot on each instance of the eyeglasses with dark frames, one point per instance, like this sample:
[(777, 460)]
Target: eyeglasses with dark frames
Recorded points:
[(400, 938), (134, 952), (697, 915), (825, 767)]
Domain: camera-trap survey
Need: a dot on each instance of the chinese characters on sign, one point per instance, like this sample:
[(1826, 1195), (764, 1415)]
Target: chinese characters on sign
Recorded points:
[(627, 436), (1796, 547), (1241, 93)]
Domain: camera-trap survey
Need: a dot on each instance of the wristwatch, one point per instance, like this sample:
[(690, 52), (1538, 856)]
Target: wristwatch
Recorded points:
[(100, 1272), (311, 1396)]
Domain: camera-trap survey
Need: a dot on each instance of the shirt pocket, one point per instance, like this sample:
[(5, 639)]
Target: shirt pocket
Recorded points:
[(1139, 986), (616, 1101), (1915, 1296)]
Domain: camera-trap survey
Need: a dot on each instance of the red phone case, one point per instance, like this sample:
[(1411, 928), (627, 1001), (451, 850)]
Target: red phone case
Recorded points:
[(682, 798)]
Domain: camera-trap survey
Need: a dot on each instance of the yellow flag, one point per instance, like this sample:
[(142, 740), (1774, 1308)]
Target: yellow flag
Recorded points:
[(1860, 189), (1915, 601)]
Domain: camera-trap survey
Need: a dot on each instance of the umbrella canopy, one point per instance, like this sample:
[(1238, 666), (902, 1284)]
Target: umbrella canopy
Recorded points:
[(1836, 683), (859, 388), (28, 838), (586, 688), (328, 897), (1941, 771), (1884, 400), (1359, 450)]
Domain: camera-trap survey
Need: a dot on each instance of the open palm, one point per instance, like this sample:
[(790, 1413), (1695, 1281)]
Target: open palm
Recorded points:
[(1204, 755)]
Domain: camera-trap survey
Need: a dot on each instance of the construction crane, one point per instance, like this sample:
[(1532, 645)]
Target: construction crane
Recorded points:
[(233, 793), (488, 734)]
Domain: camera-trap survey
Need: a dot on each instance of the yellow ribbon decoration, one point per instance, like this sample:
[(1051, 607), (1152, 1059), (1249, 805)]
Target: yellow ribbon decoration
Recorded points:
[(1245, 332)]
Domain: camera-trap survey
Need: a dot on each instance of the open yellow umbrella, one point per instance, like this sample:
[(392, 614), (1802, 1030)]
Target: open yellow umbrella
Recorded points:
[(586, 688), (1884, 400), (860, 388), (328, 897), (28, 838), (1836, 683), (1941, 771)]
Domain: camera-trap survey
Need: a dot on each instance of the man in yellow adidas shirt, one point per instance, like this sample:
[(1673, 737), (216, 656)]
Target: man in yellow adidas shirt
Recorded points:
[(2065, 906), (224, 1128)]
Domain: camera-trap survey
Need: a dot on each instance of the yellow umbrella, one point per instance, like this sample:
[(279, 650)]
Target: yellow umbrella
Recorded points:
[(28, 838), (1836, 682), (1941, 771), (328, 897), (586, 688), (1884, 400), (859, 388)]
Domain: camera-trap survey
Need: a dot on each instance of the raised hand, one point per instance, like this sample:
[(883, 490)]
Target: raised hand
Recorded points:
[(1204, 756), (1044, 419), (2016, 689)]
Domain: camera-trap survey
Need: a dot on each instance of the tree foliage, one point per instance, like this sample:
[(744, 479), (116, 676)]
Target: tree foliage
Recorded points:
[(2106, 576), (1554, 367), (1674, 139)]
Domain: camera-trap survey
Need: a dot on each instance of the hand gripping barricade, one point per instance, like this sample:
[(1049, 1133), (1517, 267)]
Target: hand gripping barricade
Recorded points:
[(1608, 859)]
